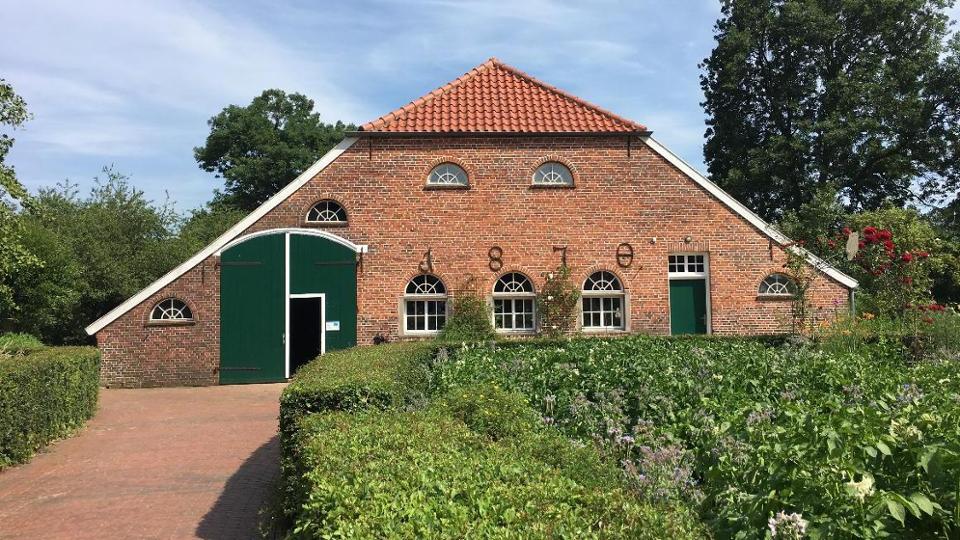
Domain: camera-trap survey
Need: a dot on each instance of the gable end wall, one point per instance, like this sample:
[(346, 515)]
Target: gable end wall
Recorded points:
[(617, 198)]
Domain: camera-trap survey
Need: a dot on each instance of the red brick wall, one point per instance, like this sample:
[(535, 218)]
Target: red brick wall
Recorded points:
[(617, 198)]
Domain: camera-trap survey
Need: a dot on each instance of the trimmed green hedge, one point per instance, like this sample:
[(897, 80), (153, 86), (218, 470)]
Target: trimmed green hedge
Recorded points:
[(428, 474), (379, 377), (44, 396)]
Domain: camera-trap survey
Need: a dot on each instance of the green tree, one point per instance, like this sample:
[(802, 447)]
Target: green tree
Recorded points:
[(96, 252), (260, 148), (15, 258), (863, 95)]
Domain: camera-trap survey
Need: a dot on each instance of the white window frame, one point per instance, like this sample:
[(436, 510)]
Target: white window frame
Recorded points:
[(616, 294), (333, 222), (686, 273), (513, 297), (786, 295), (182, 320), (439, 298), (537, 181), (464, 184), (704, 275)]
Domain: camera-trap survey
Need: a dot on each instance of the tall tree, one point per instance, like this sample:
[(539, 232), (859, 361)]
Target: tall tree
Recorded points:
[(260, 148), (857, 95), (15, 258)]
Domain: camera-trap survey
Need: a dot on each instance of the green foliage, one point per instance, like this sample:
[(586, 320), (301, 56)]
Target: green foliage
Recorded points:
[(259, 148), (204, 225), (470, 318), (859, 95), (96, 252), (853, 440), (15, 257), (491, 411), (425, 474), (378, 377), (18, 344), (45, 395), (557, 303)]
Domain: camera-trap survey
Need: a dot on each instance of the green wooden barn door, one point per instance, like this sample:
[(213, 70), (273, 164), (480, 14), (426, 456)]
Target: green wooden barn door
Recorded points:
[(322, 266), (252, 307), (688, 306)]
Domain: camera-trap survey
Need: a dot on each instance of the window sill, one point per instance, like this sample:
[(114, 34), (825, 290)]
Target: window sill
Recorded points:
[(611, 330), (170, 323), (445, 187), (549, 186), (775, 297), (322, 224)]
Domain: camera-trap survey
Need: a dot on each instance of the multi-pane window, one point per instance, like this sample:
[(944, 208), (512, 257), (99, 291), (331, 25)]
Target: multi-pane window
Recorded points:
[(687, 264), (171, 309), (514, 306), (425, 305), (447, 174), (552, 173), (327, 212), (602, 301), (777, 285)]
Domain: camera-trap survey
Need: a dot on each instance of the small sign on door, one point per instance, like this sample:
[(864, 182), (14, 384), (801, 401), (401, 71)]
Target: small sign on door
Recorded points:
[(333, 326)]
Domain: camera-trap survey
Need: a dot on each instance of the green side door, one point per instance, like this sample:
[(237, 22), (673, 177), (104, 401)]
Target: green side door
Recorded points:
[(322, 266), (688, 306), (252, 311)]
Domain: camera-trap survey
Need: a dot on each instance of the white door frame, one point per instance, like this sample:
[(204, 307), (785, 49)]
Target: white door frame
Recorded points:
[(705, 275)]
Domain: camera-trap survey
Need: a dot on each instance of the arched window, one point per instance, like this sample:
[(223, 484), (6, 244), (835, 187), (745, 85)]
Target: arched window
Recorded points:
[(602, 301), (777, 285), (171, 310), (447, 174), (552, 173), (327, 212), (514, 308), (424, 305)]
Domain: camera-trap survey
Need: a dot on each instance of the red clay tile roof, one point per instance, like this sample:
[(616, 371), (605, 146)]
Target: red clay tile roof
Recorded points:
[(495, 97)]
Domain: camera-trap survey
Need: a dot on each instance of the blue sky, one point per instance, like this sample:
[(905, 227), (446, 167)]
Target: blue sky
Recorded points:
[(132, 83)]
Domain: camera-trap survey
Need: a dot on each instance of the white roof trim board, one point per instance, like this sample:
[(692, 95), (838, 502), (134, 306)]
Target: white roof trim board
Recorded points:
[(359, 248), (224, 238), (234, 232), (747, 214)]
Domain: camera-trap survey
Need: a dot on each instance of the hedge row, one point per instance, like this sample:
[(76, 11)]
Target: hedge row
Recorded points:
[(44, 396), (478, 463)]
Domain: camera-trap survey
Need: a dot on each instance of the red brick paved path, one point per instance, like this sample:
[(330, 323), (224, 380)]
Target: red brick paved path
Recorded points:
[(153, 463)]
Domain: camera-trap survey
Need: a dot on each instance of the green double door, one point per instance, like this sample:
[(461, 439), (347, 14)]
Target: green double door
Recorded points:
[(274, 318), (688, 306)]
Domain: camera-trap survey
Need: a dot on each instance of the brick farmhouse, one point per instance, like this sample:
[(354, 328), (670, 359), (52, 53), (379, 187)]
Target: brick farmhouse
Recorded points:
[(488, 183)]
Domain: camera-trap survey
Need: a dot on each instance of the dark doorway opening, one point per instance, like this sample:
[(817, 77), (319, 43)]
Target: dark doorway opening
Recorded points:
[(306, 331)]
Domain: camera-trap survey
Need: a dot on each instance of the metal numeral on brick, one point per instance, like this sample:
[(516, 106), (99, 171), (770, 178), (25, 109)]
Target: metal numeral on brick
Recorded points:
[(624, 255), (496, 258), (563, 254), (426, 265)]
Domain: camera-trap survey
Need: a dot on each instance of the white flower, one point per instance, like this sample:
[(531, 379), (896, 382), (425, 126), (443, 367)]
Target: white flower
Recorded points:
[(785, 525)]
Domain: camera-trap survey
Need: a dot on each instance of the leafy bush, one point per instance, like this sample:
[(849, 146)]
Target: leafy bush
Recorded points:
[(491, 411), (853, 443), (16, 344), (557, 303), (378, 377), (425, 474), (469, 320), (43, 396)]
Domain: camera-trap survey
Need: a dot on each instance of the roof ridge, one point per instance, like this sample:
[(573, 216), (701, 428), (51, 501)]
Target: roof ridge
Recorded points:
[(564, 93), (430, 96)]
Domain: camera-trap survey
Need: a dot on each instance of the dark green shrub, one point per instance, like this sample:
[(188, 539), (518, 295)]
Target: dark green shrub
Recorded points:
[(469, 320), (425, 474), (17, 344), (44, 396)]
